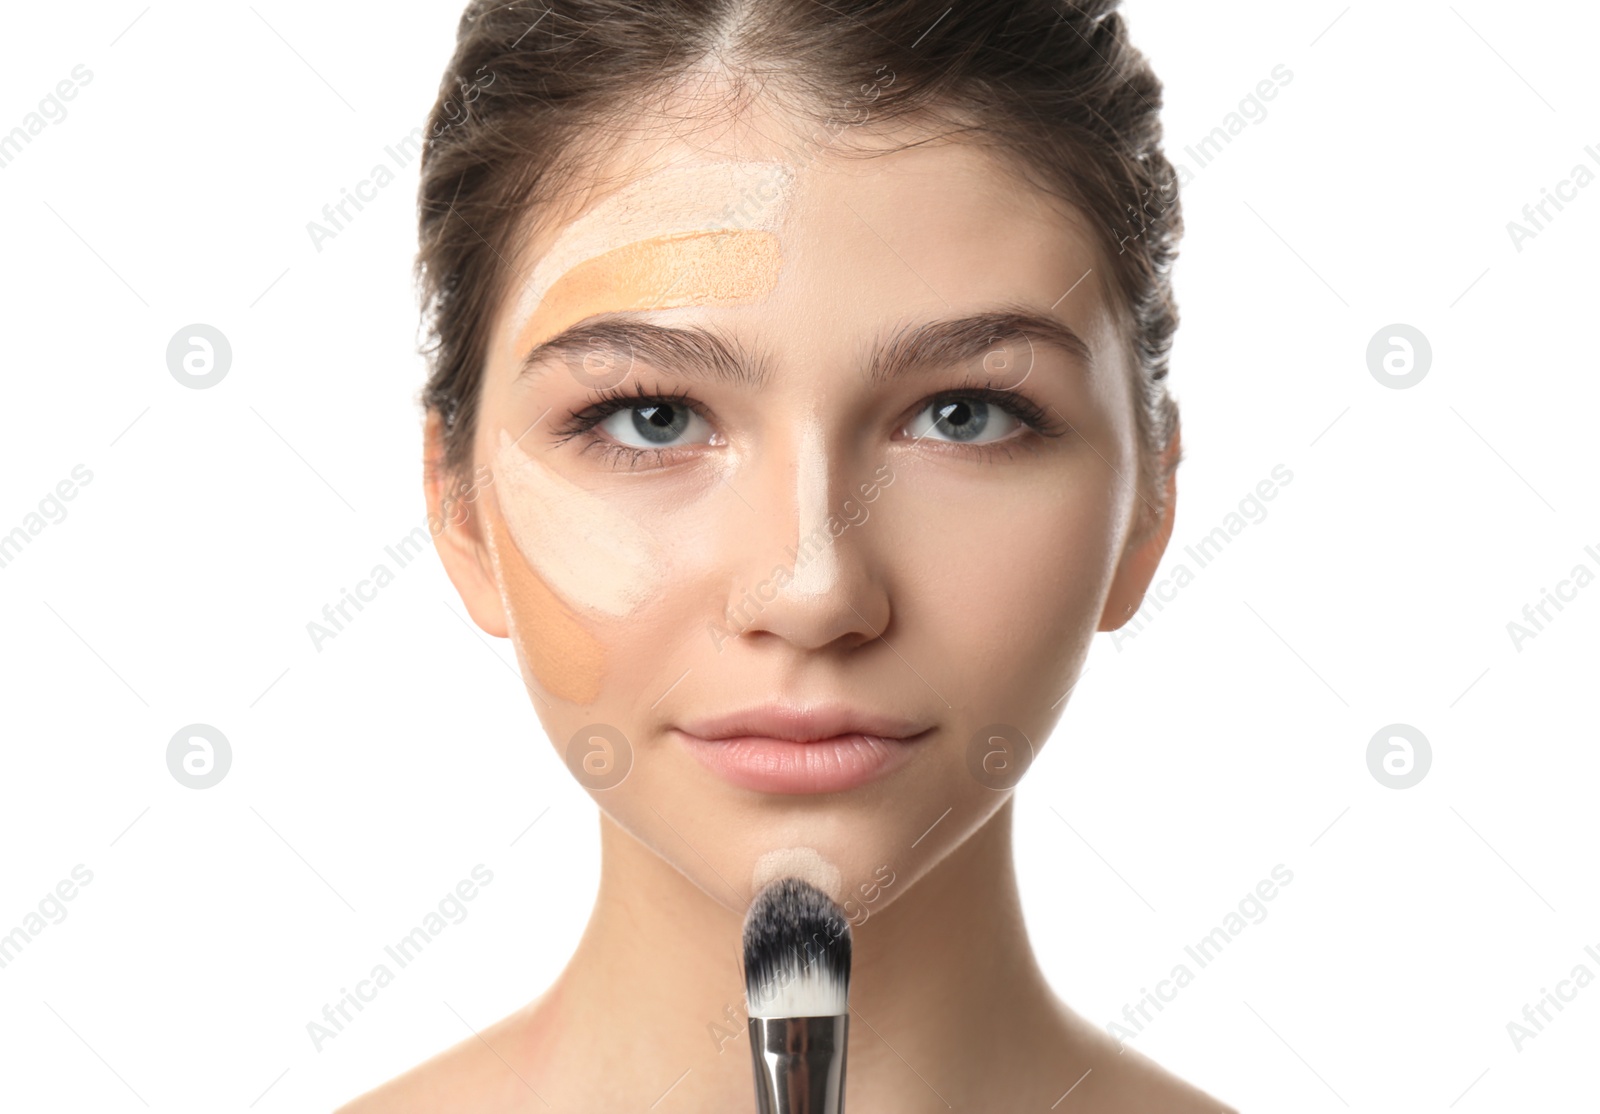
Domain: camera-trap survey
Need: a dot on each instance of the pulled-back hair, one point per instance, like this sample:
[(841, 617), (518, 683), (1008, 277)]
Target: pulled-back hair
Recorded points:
[(1053, 86)]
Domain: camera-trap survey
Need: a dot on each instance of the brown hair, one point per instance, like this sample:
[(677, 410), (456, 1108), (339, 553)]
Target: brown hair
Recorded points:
[(1056, 86)]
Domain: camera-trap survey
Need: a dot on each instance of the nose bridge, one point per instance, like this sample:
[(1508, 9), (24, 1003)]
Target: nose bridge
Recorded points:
[(816, 558)]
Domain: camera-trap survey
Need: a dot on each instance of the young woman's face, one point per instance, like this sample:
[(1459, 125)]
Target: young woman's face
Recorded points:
[(810, 479)]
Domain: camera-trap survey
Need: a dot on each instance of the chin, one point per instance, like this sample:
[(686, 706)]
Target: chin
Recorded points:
[(864, 845)]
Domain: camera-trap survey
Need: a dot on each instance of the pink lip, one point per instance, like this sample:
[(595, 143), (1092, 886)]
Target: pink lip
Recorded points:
[(783, 749)]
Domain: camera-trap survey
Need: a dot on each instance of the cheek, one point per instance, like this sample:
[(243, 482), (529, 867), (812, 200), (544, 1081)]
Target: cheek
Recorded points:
[(1016, 572), (562, 654)]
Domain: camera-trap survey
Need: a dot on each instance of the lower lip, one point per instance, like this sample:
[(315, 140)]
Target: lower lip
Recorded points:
[(784, 766)]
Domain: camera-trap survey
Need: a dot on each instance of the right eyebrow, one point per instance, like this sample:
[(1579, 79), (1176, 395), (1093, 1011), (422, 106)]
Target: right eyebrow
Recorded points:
[(691, 351)]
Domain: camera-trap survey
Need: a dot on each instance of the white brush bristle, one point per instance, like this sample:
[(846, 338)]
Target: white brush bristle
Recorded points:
[(808, 993), (796, 953)]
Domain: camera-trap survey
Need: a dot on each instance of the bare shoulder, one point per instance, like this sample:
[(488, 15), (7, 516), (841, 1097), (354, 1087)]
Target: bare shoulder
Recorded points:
[(1113, 1078), (486, 1071)]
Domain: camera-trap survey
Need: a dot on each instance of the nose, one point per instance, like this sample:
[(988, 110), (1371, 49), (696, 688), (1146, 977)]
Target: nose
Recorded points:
[(810, 574)]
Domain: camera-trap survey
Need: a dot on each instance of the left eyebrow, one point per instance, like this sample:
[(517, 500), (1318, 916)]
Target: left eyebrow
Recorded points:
[(958, 340)]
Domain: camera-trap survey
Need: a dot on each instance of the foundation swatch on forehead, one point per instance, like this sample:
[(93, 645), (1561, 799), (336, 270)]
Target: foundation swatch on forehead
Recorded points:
[(686, 269), (564, 658), (805, 863), (590, 554), (699, 198)]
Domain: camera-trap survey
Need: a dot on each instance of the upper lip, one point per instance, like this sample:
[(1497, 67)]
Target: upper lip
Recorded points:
[(801, 724)]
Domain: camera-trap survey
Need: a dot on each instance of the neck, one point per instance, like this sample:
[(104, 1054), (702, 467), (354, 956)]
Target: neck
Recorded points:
[(657, 980)]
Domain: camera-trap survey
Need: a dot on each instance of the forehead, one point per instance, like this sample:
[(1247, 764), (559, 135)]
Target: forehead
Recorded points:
[(895, 225), (955, 217), (762, 168)]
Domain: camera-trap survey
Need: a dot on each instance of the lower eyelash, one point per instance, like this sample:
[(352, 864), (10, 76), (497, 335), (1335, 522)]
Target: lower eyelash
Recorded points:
[(634, 456)]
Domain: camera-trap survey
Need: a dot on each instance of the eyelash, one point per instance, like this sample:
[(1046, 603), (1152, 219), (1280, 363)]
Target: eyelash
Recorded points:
[(581, 423)]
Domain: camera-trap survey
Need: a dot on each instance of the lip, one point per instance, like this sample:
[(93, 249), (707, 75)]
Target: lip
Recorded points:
[(794, 750)]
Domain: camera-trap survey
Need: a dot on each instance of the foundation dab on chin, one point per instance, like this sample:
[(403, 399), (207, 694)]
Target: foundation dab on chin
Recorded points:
[(805, 863)]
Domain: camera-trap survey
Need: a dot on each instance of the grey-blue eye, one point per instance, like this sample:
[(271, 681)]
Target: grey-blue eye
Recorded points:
[(962, 420), (656, 425)]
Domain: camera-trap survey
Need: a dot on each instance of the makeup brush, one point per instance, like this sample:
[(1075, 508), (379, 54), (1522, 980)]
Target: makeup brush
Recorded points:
[(797, 994)]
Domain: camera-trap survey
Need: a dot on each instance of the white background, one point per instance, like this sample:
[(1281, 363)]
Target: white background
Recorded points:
[(1229, 736)]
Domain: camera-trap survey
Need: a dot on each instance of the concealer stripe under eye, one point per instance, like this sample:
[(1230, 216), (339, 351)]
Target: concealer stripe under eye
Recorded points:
[(686, 269), (587, 551)]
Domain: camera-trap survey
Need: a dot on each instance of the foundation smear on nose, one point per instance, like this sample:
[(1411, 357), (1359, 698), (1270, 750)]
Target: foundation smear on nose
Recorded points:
[(816, 568)]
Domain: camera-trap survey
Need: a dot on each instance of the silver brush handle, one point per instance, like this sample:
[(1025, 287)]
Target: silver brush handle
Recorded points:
[(799, 1063)]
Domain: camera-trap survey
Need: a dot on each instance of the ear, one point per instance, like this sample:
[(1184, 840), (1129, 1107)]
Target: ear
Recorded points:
[(1142, 555), (458, 514)]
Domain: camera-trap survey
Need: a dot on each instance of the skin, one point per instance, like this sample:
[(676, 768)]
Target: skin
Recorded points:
[(967, 597)]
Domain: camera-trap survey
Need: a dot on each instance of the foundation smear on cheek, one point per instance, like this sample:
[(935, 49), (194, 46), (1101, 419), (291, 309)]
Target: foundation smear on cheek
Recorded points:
[(591, 554), (557, 652)]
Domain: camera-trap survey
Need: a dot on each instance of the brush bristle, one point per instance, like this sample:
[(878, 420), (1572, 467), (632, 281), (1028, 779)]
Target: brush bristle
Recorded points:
[(796, 953)]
